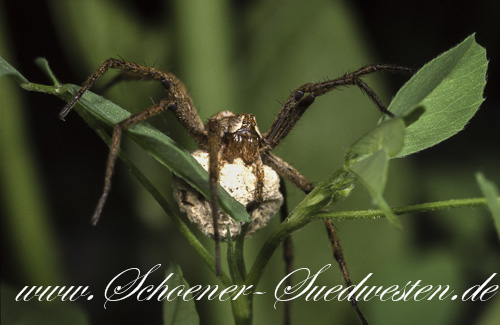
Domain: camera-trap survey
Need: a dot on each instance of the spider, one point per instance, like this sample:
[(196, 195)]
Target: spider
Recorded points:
[(227, 137)]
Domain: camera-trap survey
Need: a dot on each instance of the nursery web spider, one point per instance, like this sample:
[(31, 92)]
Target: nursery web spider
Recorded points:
[(227, 136)]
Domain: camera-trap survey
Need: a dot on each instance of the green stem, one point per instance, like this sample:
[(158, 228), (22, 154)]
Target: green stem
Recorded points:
[(285, 228), (239, 251), (298, 221), (241, 307), (242, 310), (43, 88), (424, 207)]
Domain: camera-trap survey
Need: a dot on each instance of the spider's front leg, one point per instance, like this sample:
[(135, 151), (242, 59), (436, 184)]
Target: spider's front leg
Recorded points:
[(303, 97), (293, 109), (178, 101)]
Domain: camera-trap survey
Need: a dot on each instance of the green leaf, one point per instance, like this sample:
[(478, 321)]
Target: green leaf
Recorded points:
[(368, 158), (7, 70), (435, 104), (179, 311), (164, 149), (388, 135), (372, 172), (490, 191), (450, 88), (160, 146)]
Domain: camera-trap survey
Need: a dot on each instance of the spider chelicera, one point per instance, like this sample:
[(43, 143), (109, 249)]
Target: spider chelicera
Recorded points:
[(227, 136)]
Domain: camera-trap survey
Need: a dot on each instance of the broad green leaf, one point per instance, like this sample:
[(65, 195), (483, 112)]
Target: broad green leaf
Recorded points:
[(388, 135), (435, 103), (368, 158), (160, 146), (372, 172), (179, 311), (490, 191), (450, 88)]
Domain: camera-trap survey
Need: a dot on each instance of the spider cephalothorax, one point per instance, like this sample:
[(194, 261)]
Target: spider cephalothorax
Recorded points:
[(240, 172), (240, 136), (227, 138), (240, 181)]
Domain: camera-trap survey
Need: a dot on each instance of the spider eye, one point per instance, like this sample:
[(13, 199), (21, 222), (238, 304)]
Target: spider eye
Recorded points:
[(298, 95), (166, 84), (308, 100), (173, 107), (247, 123)]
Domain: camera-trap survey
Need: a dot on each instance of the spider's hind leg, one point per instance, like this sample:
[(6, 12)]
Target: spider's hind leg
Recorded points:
[(178, 101)]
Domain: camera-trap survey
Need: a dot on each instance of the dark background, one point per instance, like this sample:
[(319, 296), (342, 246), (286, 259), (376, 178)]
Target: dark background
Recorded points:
[(457, 247)]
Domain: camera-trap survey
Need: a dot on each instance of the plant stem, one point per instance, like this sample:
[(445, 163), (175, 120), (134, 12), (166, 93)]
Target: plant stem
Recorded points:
[(424, 207), (242, 310), (287, 227), (277, 237)]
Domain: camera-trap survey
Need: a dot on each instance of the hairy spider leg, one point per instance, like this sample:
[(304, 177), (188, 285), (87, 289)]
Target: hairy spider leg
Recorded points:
[(287, 253), (303, 97), (181, 105), (292, 110), (185, 111), (163, 105), (287, 171), (214, 139)]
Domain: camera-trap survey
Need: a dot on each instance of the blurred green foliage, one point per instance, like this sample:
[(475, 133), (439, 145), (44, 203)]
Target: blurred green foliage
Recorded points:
[(244, 58)]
